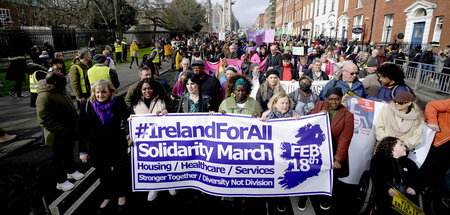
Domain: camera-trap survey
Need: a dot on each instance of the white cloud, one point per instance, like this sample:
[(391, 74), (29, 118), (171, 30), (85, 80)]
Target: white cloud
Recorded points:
[(246, 11)]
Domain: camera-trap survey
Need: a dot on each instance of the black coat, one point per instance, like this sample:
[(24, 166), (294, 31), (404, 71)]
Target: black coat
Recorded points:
[(388, 171), (261, 78), (277, 61), (104, 144), (17, 67), (309, 73), (210, 86)]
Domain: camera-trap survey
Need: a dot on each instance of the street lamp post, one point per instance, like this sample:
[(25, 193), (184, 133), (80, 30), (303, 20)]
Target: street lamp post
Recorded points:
[(388, 29)]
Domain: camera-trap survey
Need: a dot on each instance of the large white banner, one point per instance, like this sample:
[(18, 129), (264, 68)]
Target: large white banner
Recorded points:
[(232, 155), (363, 141)]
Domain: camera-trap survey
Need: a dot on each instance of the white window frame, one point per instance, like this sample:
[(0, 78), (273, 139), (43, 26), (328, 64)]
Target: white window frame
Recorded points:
[(312, 10), (304, 11), (307, 11), (438, 29), (333, 3), (388, 21), (318, 7), (324, 6), (357, 21), (6, 14), (345, 5), (360, 4)]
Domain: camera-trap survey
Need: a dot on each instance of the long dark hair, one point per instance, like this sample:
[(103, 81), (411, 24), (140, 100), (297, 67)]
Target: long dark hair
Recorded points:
[(158, 92)]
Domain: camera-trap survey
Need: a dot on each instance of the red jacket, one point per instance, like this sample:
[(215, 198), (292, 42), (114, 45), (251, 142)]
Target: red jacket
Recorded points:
[(438, 112), (342, 132)]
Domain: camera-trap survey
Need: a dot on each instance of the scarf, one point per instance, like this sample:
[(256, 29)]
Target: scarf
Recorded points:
[(104, 111), (275, 114), (407, 123), (329, 68)]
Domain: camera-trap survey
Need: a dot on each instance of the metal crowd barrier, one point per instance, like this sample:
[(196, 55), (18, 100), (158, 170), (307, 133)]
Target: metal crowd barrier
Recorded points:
[(425, 75)]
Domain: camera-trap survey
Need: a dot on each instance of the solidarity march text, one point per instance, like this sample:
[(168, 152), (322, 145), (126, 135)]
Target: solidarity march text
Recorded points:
[(232, 155)]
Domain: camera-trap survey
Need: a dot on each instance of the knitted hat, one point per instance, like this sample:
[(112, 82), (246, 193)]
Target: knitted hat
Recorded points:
[(272, 72), (198, 63), (99, 58), (335, 91)]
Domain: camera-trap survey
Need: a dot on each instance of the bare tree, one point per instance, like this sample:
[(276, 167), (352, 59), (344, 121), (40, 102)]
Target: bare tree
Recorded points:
[(155, 11)]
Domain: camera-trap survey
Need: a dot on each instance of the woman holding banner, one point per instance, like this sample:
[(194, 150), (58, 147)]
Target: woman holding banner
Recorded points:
[(239, 100), (193, 101), (280, 106), (103, 120), (390, 169), (149, 98), (269, 88), (342, 124)]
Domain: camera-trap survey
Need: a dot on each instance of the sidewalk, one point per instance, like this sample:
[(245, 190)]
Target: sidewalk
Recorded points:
[(17, 117)]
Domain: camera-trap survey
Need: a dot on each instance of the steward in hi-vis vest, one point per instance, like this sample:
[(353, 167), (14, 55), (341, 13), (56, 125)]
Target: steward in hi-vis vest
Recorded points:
[(101, 71), (77, 74), (37, 72), (118, 47)]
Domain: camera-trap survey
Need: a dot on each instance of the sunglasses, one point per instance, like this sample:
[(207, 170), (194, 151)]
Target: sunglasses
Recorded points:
[(400, 103), (353, 73)]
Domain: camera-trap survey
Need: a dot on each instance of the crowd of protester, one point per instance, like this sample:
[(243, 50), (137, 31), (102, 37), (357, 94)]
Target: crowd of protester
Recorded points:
[(256, 91)]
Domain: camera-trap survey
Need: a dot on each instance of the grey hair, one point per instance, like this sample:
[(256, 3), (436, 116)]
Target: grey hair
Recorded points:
[(316, 60), (185, 60), (82, 53), (57, 54)]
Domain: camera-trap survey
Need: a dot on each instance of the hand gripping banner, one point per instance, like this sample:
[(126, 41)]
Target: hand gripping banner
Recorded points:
[(232, 155)]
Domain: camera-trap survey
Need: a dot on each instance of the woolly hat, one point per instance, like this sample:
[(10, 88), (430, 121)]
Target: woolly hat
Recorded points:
[(272, 72), (99, 58)]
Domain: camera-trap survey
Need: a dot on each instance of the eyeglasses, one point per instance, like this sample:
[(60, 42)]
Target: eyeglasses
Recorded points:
[(352, 73)]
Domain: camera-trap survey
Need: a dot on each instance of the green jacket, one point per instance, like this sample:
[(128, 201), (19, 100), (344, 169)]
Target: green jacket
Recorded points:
[(56, 113), (74, 75), (251, 106)]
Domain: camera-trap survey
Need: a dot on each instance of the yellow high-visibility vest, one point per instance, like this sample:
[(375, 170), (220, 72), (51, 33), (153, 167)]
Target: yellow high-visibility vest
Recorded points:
[(118, 46), (98, 72), (82, 81), (34, 81), (156, 58)]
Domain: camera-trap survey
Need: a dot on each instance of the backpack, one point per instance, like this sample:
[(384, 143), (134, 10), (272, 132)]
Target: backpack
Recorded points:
[(396, 87)]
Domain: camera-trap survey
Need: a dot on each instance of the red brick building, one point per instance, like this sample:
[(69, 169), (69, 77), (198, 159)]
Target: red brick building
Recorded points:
[(418, 21)]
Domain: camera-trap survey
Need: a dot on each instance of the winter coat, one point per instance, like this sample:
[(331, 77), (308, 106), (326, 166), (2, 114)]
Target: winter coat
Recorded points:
[(388, 171), (251, 106), (183, 105), (303, 104), (357, 88), (294, 73), (56, 113), (157, 105), (411, 138), (104, 144), (133, 48), (385, 92), (277, 61), (211, 87), (16, 70), (342, 132), (309, 73), (372, 84), (75, 80), (438, 112)]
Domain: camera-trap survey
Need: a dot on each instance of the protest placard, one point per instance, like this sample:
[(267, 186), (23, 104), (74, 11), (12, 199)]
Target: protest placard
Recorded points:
[(298, 51), (232, 155), (222, 36)]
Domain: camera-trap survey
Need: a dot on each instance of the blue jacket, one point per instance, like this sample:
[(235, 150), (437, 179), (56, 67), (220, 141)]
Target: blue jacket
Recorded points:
[(357, 88), (384, 93)]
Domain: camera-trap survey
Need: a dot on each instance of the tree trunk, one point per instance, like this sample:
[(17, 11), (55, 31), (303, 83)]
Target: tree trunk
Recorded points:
[(118, 27), (154, 33)]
